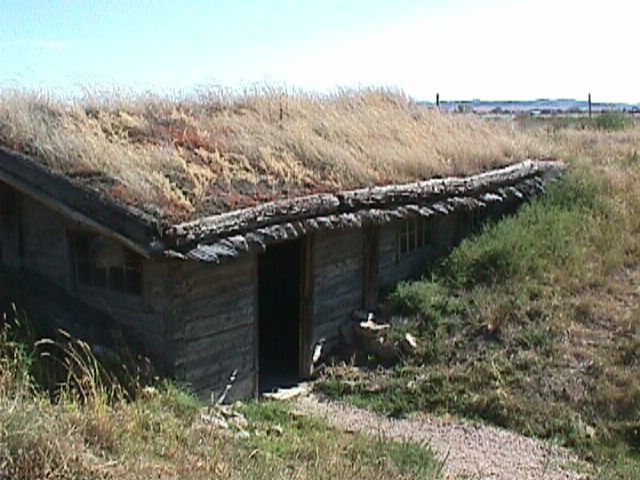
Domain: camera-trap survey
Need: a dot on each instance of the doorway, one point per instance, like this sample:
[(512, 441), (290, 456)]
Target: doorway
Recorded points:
[(280, 275)]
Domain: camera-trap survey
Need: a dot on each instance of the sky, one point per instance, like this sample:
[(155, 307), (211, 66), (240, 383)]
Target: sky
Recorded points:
[(461, 49)]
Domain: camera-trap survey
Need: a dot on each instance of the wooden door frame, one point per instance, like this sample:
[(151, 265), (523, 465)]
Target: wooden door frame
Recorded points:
[(307, 280), (371, 258)]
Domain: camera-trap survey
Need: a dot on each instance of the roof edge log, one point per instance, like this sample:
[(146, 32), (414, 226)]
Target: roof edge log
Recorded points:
[(226, 235), (85, 205), (351, 208)]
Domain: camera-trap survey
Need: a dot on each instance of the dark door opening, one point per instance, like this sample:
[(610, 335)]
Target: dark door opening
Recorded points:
[(279, 292)]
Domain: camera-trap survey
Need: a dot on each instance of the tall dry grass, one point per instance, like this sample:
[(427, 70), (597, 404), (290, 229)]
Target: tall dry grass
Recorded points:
[(91, 430), (183, 156)]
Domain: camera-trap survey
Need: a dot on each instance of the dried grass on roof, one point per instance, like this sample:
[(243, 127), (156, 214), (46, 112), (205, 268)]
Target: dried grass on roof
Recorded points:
[(190, 155)]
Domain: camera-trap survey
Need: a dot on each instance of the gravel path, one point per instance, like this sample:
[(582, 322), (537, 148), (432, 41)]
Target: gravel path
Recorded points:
[(470, 451)]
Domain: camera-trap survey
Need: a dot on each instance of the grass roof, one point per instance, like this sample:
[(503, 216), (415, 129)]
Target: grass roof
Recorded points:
[(186, 156)]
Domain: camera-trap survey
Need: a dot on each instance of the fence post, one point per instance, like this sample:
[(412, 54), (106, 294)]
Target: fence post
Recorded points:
[(437, 100), (589, 105)]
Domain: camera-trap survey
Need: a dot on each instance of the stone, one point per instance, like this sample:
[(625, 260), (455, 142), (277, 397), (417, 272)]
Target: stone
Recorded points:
[(408, 345)]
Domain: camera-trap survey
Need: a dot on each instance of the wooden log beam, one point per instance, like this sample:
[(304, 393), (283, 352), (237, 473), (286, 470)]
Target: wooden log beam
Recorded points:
[(125, 224), (305, 210), (246, 219), (257, 240)]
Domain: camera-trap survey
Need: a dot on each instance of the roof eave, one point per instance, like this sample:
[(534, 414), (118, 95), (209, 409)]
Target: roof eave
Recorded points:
[(239, 222), (137, 231)]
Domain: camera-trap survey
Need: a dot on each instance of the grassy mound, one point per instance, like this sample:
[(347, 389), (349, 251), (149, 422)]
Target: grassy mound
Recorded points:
[(532, 324), (184, 156)]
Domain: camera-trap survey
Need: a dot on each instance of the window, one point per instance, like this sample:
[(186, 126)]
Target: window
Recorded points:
[(103, 264), (414, 235)]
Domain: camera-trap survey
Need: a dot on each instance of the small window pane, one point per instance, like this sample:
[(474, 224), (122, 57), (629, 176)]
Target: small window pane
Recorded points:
[(99, 277), (84, 272), (415, 235), (134, 281), (412, 227), (412, 243), (124, 278), (116, 279), (403, 243)]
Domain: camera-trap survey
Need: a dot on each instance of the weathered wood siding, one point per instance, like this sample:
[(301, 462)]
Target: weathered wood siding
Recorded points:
[(213, 328), (446, 233), (339, 280), (449, 230), (44, 249)]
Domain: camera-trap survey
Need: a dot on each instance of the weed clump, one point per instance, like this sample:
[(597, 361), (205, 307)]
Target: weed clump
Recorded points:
[(542, 236)]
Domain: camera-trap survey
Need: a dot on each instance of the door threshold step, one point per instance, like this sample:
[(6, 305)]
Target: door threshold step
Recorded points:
[(288, 393)]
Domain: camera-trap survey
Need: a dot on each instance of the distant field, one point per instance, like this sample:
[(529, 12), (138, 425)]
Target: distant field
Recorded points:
[(551, 106)]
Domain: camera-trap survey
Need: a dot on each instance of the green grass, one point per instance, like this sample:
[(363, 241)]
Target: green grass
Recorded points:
[(611, 121), (514, 325), (607, 121), (279, 437)]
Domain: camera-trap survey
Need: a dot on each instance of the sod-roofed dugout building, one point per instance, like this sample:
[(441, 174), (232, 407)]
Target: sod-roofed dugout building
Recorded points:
[(227, 264)]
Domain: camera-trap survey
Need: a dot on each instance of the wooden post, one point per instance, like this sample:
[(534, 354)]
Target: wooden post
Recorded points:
[(256, 330), (437, 100), (589, 105), (371, 281), (307, 279)]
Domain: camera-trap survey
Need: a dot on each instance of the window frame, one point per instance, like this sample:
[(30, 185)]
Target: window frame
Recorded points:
[(414, 235), (134, 264)]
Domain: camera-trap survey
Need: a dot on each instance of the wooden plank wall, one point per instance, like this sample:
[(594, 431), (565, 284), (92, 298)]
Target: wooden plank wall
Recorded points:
[(339, 279), (213, 325), (449, 231), (393, 267), (45, 251), (43, 241)]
